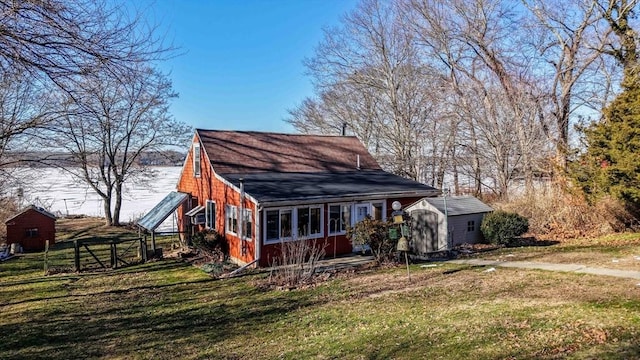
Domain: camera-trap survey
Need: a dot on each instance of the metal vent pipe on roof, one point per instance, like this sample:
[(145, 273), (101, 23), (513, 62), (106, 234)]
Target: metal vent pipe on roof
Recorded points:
[(344, 129)]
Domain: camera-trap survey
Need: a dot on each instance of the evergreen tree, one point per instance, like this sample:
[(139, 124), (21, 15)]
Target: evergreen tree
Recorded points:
[(611, 164)]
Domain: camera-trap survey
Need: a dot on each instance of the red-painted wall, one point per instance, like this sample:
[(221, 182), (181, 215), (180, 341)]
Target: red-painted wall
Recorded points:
[(209, 187), (31, 219)]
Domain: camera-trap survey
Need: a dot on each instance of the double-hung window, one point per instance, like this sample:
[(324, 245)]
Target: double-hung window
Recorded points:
[(210, 214), (339, 218), (247, 218), (233, 226), (231, 219)]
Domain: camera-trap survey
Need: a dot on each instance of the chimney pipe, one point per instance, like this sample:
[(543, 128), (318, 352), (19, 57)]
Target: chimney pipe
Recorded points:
[(344, 129)]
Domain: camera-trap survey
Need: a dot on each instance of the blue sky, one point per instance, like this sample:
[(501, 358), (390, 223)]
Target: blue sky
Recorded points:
[(242, 63)]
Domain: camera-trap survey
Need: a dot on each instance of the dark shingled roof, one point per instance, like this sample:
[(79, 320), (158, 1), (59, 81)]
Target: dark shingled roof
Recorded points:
[(280, 187), (243, 152)]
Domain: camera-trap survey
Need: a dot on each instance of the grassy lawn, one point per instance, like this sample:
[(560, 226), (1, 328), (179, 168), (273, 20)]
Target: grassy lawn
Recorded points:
[(618, 251), (168, 309)]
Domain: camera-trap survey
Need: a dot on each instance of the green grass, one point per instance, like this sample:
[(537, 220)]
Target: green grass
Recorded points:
[(168, 309), (617, 251)]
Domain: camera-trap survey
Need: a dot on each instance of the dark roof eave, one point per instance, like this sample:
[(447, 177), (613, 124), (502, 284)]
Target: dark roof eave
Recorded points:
[(346, 198)]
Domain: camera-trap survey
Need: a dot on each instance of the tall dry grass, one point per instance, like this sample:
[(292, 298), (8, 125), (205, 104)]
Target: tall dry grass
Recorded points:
[(560, 213)]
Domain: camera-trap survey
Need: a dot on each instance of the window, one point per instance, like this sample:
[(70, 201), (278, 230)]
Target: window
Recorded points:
[(293, 223), (33, 232), (471, 226), (196, 159), (210, 214), (378, 211), (309, 220), (273, 225), (285, 223), (231, 219), (247, 219), (339, 218)]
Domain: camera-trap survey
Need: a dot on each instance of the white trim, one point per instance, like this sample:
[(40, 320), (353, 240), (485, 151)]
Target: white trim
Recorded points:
[(294, 221), (238, 217), (196, 149), (351, 214), (230, 210)]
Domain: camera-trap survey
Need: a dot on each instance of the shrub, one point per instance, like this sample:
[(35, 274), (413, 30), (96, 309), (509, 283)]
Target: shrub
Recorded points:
[(297, 263), (211, 241), (375, 234), (502, 228)]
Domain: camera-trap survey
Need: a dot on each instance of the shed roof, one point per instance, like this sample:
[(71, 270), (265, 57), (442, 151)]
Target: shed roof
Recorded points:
[(276, 187), (151, 220), (243, 152), (459, 205), (34, 208)]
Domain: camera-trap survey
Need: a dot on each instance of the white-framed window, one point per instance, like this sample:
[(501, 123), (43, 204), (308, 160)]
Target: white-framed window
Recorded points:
[(247, 218), (378, 211), (210, 214), (339, 218), (231, 219), (343, 215), (231, 222), (309, 221), (284, 224), (196, 159)]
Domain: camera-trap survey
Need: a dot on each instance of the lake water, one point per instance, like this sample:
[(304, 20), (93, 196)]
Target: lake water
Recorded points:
[(63, 195)]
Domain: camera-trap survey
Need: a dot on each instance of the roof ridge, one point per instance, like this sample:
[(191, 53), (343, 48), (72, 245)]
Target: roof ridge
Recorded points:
[(273, 133)]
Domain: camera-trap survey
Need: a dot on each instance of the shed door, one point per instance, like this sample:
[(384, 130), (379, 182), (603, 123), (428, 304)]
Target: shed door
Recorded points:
[(424, 232)]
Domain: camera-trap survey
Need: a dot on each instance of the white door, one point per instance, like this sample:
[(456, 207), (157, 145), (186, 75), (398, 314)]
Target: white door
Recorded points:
[(362, 211)]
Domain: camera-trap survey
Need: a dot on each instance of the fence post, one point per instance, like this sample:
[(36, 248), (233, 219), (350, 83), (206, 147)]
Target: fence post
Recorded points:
[(76, 261), (46, 257)]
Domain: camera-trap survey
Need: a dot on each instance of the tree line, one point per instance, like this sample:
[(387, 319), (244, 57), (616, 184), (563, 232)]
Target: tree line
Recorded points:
[(81, 78), (475, 95)]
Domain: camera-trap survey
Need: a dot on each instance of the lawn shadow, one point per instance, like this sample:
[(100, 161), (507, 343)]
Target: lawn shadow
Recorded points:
[(532, 242)]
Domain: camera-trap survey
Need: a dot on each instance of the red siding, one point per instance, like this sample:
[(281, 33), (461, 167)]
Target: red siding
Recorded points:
[(209, 187), (31, 219)]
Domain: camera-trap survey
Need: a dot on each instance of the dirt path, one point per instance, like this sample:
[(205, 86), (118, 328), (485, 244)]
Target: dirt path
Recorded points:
[(577, 268)]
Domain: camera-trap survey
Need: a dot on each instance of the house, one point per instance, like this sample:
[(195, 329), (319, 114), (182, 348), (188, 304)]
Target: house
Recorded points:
[(31, 228), (260, 189), (440, 223)]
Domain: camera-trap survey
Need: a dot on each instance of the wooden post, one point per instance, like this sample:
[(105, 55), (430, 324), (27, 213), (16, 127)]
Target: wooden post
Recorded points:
[(46, 257), (153, 242), (76, 261), (113, 256)]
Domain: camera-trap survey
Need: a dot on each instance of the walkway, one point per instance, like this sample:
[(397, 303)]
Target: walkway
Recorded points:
[(582, 269)]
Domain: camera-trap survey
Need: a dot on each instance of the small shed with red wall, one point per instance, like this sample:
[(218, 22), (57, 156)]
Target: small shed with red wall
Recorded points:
[(31, 228)]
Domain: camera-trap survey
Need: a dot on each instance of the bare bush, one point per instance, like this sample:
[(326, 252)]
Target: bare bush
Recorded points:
[(563, 214), (8, 208), (297, 263)]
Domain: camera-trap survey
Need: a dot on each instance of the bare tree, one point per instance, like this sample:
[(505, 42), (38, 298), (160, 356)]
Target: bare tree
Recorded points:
[(60, 39), (368, 76), (112, 121)]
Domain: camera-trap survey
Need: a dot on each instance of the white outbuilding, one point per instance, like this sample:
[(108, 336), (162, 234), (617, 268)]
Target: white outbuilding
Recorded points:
[(440, 223)]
